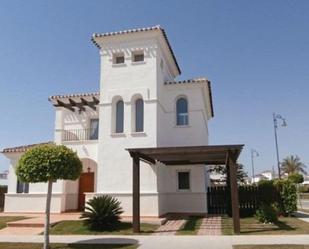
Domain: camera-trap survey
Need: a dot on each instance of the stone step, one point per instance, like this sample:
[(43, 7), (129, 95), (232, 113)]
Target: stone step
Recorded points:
[(21, 230), (29, 223)]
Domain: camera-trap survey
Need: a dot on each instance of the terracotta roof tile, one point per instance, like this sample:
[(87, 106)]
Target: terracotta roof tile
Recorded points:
[(94, 94), (23, 148), (196, 80)]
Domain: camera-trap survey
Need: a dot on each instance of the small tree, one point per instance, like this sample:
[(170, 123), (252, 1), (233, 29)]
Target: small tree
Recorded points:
[(48, 163), (241, 175), (292, 164), (296, 178)]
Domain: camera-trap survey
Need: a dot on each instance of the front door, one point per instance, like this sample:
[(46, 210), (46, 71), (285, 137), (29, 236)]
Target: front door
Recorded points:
[(86, 184)]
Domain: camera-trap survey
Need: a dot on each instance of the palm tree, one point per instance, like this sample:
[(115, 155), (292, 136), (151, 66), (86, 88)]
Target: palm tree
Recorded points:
[(292, 164)]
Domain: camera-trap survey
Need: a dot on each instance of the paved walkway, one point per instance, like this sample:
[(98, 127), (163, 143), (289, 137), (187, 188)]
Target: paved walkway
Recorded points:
[(168, 242), (171, 226), (34, 223), (302, 216), (211, 225)]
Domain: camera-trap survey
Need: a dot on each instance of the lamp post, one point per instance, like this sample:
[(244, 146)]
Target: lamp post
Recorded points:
[(253, 153), (277, 117)]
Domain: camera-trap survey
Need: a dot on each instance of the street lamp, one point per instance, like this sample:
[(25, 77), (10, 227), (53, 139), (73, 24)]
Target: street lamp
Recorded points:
[(253, 154), (277, 117)]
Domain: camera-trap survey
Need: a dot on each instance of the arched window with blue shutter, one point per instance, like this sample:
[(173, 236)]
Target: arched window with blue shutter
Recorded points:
[(182, 117), (119, 117)]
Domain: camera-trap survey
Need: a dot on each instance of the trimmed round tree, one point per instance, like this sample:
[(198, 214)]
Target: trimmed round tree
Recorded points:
[(48, 163)]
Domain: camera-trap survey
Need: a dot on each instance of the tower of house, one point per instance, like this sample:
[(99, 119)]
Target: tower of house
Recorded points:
[(141, 105)]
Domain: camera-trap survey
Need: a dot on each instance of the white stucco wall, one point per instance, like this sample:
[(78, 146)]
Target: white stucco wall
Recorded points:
[(31, 203), (125, 82), (35, 200)]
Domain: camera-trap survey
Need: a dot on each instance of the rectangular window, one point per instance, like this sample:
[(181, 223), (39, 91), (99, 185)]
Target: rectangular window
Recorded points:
[(22, 187), (94, 129), (138, 56), (184, 180), (118, 58)]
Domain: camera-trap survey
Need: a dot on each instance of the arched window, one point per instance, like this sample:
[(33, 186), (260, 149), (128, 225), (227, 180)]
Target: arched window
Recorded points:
[(119, 117), (139, 115), (182, 112)]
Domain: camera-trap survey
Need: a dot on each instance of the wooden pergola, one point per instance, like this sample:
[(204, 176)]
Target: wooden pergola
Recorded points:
[(77, 102), (208, 155)]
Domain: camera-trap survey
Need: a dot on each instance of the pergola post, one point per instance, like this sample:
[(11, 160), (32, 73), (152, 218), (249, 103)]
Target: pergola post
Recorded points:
[(234, 193), (136, 193)]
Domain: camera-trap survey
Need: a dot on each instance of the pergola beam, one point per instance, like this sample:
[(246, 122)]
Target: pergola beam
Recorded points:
[(95, 100), (88, 103), (78, 105), (78, 102), (67, 106)]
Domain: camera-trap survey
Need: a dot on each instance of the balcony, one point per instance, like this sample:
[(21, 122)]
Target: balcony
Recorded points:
[(80, 135)]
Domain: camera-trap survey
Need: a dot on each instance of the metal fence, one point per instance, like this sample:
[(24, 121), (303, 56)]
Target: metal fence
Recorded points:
[(80, 135), (250, 199), (3, 190)]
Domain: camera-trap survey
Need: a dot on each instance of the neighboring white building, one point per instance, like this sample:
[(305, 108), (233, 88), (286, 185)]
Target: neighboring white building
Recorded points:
[(265, 175), (4, 178), (140, 104), (306, 180)]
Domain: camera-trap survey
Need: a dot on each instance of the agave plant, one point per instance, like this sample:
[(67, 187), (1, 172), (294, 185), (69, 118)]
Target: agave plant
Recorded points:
[(102, 213)]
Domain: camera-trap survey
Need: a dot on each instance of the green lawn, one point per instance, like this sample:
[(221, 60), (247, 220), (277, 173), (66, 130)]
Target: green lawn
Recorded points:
[(191, 226), (285, 225), (270, 247), (5, 219), (77, 227), (64, 246)]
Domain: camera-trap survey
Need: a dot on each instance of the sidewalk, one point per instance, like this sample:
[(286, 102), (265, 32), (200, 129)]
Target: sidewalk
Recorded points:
[(168, 242), (302, 216)]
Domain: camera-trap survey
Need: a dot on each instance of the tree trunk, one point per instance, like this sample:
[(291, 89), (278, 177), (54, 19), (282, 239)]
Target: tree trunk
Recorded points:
[(47, 215)]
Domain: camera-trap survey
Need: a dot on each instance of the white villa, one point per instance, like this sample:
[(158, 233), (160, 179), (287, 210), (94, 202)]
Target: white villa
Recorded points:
[(140, 105)]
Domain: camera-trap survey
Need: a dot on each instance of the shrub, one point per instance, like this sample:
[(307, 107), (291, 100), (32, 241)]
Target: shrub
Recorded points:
[(296, 178), (267, 192), (102, 213), (267, 214), (288, 196)]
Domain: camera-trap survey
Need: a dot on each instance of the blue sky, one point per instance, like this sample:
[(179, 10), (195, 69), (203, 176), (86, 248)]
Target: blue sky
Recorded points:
[(256, 53)]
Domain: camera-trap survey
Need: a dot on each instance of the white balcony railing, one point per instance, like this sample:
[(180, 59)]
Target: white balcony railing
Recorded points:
[(80, 135)]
